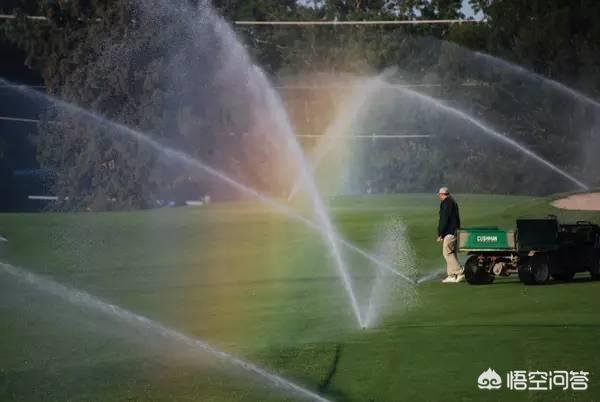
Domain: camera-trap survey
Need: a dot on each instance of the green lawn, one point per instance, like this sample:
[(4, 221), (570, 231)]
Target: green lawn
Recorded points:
[(264, 288)]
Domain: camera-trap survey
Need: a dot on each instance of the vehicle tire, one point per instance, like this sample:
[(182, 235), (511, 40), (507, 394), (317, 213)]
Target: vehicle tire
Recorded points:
[(595, 270), (476, 275), (536, 271), (564, 276), (559, 271)]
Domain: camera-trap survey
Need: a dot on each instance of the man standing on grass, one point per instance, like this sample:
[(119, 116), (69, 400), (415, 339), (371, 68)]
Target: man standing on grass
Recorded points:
[(447, 228)]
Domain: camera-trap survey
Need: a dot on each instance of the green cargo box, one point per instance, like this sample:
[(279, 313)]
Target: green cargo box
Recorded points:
[(486, 239)]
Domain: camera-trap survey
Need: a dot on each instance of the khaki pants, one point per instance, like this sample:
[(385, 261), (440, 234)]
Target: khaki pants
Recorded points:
[(453, 266)]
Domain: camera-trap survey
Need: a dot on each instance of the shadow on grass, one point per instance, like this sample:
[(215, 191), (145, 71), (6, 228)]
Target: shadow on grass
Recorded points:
[(549, 283), (505, 325), (324, 385)]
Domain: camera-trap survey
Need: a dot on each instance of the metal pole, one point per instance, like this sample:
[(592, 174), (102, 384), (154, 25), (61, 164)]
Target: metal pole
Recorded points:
[(19, 119), (375, 136), (29, 17), (381, 22)]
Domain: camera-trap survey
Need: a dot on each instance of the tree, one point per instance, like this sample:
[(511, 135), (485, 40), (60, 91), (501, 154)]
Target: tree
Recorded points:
[(186, 87), (183, 87)]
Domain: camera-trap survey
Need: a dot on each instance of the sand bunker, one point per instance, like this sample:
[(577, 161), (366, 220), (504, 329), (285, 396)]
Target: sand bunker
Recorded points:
[(581, 202)]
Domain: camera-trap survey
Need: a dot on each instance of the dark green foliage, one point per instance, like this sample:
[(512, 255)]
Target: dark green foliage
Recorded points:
[(103, 56), (108, 58)]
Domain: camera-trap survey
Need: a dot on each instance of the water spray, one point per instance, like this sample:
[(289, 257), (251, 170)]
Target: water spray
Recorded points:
[(195, 163), (560, 87), (470, 119), (233, 56), (83, 299), (435, 274)]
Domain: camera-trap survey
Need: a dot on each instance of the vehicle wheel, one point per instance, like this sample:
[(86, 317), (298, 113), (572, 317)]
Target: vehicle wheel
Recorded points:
[(476, 275), (558, 270), (595, 270), (535, 272), (564, 276)]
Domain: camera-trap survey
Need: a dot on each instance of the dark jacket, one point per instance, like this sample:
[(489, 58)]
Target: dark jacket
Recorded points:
[(449, 217)]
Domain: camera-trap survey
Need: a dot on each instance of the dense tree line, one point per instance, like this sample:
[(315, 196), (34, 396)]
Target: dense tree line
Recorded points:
[(113, 58)]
